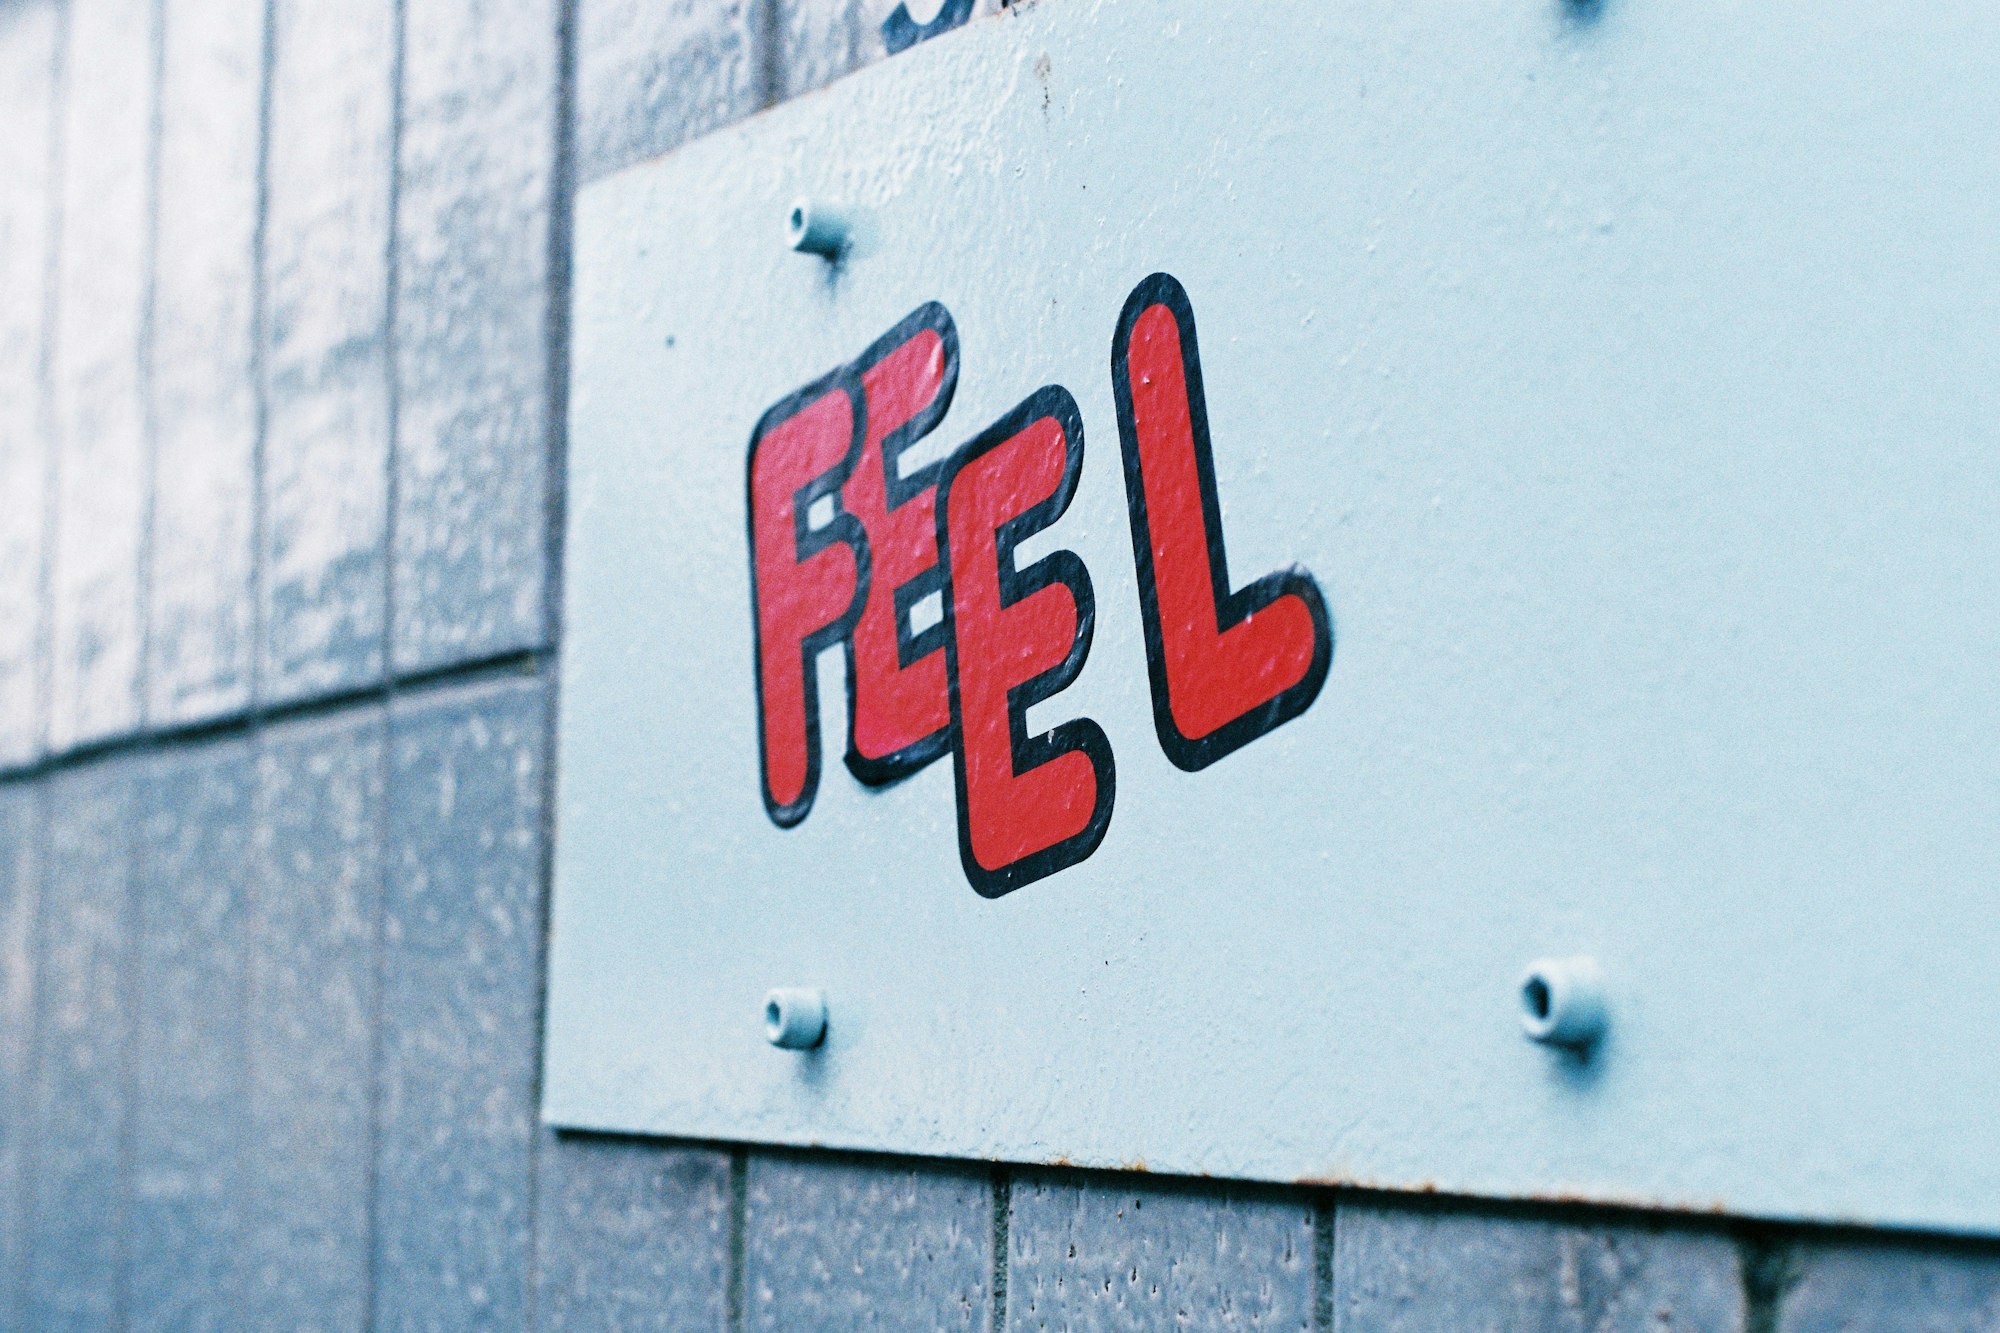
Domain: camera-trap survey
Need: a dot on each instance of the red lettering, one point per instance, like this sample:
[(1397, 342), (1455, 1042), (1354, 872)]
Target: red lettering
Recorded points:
[(1028, 806), (807, 577), (898, 708), (1225, 667)]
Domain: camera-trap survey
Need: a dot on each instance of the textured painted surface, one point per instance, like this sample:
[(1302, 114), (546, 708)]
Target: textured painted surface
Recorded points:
[(473, 328), (841, 1245), (19, 880), (461, 941), (1411, 1270), (313, 1006), (204, 392), (1864, 1287), (188, 1183), (632, 1237), (652, 74), (98, 378), (327, 442), (28, 36), (1601, 688), (78, 1239), (147, 867), (1089, 1256), (820, 40)]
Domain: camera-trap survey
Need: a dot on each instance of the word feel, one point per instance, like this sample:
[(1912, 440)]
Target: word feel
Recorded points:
[(844, 545)]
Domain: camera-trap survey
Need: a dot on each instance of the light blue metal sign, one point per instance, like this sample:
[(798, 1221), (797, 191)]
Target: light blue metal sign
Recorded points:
[(1376, 593)]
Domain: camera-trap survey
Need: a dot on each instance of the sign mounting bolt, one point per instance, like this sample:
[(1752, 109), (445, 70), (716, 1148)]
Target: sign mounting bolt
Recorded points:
[(795, 1018), (1562, 1002), (816, 228)]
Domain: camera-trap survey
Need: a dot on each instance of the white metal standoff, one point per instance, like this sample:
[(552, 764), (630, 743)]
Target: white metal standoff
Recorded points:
[(795, 1018), (1562, 1002), (815, 228)]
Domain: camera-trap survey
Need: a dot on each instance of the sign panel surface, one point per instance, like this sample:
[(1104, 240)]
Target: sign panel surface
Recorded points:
[(1268, 519)]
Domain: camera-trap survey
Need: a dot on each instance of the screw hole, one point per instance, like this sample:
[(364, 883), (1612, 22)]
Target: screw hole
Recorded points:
[(771, 1015), (1535, 994), (798, 219)]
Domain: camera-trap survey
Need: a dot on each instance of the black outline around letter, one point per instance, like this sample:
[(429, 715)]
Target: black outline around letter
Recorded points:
[(844, 527), (1064, 567), (1231, 608), (896, 492)]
